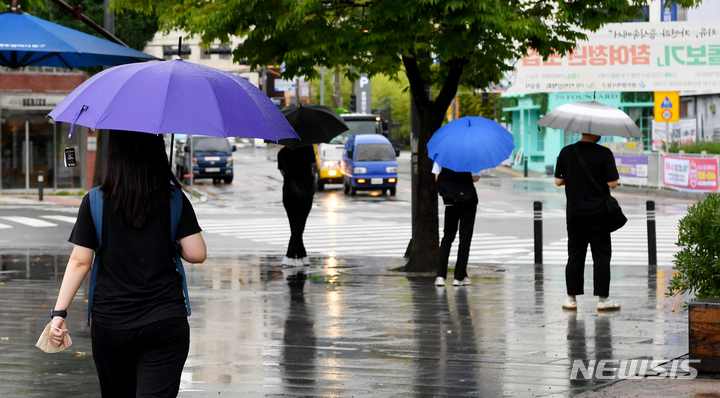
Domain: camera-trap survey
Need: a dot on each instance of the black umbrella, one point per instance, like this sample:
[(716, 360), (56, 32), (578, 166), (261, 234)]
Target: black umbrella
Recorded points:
[(313, 124)]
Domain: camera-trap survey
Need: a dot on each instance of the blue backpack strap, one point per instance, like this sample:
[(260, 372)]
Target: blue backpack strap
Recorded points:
[(175, 213), (96, 211)]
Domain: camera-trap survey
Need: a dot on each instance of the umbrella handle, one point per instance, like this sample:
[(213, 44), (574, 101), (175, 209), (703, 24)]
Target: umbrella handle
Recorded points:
[(72, 125)]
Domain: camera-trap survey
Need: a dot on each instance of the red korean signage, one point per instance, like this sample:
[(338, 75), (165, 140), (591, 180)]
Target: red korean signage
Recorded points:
[(690, 174)]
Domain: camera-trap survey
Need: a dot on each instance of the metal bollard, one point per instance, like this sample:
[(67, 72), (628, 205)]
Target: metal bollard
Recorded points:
[(537, 217), (40, 185), (525, 169), (651, 235)]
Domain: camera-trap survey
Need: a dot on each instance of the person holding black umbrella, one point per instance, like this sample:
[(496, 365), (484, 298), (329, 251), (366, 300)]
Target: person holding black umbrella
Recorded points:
[(296, 161), (296, 166)]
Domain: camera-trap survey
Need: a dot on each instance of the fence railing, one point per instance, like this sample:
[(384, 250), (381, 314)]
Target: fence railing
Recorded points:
[(679, 171)]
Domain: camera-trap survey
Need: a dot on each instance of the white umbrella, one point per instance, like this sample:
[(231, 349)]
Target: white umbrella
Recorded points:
[(591, 118)]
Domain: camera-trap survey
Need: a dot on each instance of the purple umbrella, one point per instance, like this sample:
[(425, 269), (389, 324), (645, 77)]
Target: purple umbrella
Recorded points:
[(173, 97)]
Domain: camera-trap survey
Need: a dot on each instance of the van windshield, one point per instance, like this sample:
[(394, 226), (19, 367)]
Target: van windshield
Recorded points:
[(211, 144), (357, 127), (374, 153)]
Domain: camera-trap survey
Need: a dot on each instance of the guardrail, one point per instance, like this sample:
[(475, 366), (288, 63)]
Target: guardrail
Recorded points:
[(678, 171)]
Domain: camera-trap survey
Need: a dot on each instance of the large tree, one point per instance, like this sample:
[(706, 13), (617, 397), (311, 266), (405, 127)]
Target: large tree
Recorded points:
[(438, 44), (133, 28)]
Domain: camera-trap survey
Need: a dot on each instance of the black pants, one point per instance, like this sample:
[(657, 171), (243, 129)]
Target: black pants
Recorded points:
[(298, 210), (582, 231), (141, 362), (464, 215)]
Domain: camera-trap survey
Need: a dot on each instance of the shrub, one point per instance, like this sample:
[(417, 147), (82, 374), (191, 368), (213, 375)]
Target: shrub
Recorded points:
[(709, 147), (698, 261)]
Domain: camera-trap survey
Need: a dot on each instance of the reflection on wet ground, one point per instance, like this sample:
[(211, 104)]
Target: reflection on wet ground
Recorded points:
[(353, 327)]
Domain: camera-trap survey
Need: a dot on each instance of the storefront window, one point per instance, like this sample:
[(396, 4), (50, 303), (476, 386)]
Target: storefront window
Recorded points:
[(69, 177), (25, 154), (40, 149)]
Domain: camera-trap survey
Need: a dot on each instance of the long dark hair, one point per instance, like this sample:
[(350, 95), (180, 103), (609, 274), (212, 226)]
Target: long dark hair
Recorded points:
[(138, 176)]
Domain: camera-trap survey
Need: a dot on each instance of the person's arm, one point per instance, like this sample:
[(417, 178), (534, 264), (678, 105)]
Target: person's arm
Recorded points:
[(78, 266), (559, 181), (192, 248), (612, 184)]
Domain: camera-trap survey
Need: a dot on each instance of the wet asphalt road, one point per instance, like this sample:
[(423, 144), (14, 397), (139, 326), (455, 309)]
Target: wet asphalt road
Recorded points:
[(353, 327), (349, 325)]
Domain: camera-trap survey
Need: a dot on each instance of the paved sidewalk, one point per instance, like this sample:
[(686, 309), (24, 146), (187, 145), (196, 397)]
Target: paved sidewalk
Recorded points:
[(353, 327)]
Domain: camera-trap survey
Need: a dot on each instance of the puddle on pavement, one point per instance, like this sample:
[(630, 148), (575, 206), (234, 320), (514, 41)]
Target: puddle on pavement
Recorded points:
[(32, 266)]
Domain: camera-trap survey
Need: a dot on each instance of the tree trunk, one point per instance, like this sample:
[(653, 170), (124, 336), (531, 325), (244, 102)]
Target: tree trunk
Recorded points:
[(100, 158), (425, 242)]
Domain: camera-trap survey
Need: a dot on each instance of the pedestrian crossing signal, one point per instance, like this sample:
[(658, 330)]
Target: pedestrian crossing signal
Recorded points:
[(666, 104)]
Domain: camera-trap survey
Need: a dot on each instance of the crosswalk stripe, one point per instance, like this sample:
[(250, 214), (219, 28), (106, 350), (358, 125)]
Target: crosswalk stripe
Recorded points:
[(33, 222), (68, 219)]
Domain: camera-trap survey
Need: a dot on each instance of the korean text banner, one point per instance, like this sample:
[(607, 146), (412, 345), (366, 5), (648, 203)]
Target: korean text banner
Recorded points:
[(633, 169), (641, 56), (690, 174)]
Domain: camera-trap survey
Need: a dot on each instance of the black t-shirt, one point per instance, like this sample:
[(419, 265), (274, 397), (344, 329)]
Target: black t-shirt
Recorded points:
[(583, 199), (297, 163), (137, 282)]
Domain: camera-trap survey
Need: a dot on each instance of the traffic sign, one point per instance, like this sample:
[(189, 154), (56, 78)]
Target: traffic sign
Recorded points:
[(667, 106)]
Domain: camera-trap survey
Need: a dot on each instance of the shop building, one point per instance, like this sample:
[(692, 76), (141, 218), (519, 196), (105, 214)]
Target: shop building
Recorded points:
[(30, 145)]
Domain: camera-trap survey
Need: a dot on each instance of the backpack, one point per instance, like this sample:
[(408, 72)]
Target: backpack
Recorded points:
[(96, 210), (456, 187)]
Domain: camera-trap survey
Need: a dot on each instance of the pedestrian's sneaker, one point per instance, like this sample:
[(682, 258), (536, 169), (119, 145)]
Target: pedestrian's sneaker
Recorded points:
[(305, 261), (462, 282), (439, 281), (570, 304), (292, 262), (608, 305)]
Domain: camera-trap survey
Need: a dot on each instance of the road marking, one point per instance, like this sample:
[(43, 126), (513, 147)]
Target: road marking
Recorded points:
[(33, 222), (5, 226), (360, 237), (69, 219)]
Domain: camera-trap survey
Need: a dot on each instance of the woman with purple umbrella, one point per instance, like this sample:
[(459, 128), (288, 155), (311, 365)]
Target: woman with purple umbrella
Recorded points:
[(137, 298)]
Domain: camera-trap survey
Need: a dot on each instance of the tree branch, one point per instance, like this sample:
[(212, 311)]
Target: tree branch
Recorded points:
[(417, 87), (450, 86)]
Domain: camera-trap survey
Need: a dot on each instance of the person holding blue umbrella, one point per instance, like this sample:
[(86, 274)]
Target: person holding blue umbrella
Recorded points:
[(461, 150)]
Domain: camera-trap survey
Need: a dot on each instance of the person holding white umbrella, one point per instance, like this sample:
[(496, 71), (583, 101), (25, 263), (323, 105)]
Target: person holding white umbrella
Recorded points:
[(588, 172)]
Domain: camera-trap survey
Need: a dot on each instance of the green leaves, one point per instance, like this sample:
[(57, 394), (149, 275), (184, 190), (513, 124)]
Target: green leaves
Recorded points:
[(697, 264)]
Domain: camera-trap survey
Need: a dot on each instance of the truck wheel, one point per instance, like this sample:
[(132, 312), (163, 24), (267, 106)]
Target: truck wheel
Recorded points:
[(228, 180), (392, 191), (384, 191), (353, 191), (320, 186)]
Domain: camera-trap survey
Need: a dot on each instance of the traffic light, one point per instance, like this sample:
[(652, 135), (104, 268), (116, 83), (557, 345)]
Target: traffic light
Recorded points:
[(352, 106)]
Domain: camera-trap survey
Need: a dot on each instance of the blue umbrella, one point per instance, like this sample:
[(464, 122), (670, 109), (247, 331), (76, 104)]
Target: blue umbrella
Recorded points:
[(27, 40), (173, 97), (470, 144)]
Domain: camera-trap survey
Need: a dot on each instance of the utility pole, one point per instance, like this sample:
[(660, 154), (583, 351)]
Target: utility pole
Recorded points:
[(337, 97), (322, 86), (101, 154)]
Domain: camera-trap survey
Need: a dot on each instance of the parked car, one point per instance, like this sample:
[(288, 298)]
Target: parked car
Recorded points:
[(369, 163), (211, 158)]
